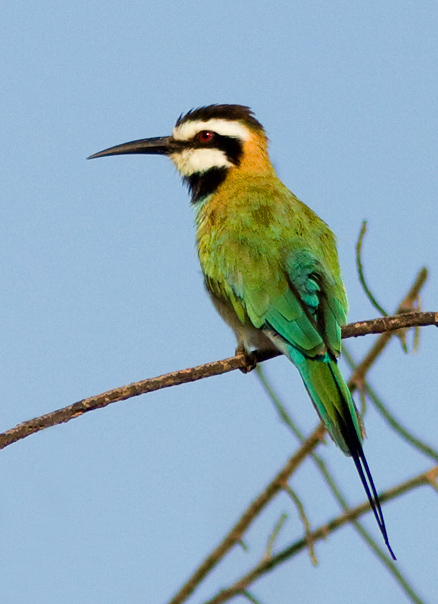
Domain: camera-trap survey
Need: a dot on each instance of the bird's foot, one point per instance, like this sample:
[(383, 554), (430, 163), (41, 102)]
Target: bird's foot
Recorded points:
[(250, 359)]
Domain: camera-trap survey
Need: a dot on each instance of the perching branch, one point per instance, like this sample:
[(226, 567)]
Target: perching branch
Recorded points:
[(389, 323), (183, 376)]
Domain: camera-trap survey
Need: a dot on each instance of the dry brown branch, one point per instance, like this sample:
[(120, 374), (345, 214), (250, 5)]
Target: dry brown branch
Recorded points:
[(389, 323), (183, 376), (236, 533), (322, 532)]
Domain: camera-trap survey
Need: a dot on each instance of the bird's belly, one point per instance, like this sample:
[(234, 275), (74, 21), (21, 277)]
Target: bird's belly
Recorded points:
[(246, 334)]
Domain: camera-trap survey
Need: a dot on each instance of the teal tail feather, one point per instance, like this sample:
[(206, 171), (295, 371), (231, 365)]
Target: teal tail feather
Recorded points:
[(334, 404)]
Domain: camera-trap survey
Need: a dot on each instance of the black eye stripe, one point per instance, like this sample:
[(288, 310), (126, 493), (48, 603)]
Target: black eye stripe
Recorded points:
[(232, 147)]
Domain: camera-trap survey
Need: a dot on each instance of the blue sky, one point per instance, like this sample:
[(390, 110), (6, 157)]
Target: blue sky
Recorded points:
[(101, 287)]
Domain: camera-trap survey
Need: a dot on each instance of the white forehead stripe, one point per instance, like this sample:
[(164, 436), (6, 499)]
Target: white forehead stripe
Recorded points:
[(187, 130), (193, 161)]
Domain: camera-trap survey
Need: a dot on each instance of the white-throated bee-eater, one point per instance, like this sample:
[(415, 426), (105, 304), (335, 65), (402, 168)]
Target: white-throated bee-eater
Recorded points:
[(270, 264)]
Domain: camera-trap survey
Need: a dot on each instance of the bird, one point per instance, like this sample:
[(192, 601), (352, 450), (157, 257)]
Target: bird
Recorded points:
[(270, 264)]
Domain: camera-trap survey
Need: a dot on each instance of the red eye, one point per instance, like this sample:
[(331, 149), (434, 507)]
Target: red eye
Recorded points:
[(205, 136)]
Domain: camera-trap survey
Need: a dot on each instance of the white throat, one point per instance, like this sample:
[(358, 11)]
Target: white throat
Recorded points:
[(192, 161)]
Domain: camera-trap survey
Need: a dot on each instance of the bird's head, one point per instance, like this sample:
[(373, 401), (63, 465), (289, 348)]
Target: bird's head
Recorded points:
[(206, 145)]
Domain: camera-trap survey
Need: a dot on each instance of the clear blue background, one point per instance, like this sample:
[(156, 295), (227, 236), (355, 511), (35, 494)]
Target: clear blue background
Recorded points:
[(100, 287)]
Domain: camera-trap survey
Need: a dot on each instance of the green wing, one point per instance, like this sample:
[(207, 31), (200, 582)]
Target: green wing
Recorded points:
[(275, 263)]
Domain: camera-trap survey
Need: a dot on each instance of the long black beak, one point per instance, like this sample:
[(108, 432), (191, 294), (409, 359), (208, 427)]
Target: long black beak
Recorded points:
[(161, 145)]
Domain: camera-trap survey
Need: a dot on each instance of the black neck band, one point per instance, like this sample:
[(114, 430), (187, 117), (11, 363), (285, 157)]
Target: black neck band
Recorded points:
[(202, 184)]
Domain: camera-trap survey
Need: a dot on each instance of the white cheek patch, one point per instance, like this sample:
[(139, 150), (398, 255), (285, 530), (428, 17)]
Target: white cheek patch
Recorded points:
[(188, 130), (191, 161)]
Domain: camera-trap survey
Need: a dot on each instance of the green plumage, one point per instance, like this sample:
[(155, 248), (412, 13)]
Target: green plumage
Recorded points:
[(271, 260), (271, 267)]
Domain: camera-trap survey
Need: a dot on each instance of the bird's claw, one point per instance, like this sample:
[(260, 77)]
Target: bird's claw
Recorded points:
[(249, 358)]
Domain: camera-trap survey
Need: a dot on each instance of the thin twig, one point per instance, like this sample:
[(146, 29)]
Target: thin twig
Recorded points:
[(273, 537), (360, 271), (250, 597), (305, 521)]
